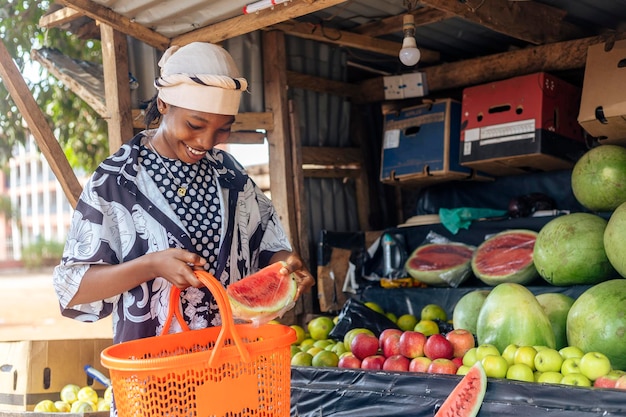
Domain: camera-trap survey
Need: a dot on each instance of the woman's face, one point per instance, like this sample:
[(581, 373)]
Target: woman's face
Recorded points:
[(188, 134)]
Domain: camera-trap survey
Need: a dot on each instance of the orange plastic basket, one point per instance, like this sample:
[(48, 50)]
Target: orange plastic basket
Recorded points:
[(229, 370)]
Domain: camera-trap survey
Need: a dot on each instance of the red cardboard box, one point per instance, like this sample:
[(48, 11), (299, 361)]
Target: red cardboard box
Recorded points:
[(522, 124)]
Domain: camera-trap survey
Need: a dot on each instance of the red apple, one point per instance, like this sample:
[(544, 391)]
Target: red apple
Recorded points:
[(437, 346), (621, 382), (419, 364), (373, 362), (458, 361), (462, 340), (391, 345), (412, 344), (364, 345), (348, 360), (396, 363), (386, 333), (442, 366)]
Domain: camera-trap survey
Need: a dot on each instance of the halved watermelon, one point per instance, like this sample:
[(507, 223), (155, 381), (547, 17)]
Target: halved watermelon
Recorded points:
[(506, 257), (440, 264), (264, 295), (467, 397)]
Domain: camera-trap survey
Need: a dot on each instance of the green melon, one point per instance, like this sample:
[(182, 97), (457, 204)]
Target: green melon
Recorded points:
[(599, 178), (597, 321), (263, 295), (615, 239), (570, 250), (511, 314), (466, 310), (440, 264), (467, 396), (557, 305), (506, 257)]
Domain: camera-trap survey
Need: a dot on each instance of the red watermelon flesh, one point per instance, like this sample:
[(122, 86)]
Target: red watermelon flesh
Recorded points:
[(264, 295), (467, 397), (506, 257), (440, 264)]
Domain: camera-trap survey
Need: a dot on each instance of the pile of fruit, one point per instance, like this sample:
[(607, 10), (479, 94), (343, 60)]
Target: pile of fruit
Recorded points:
[(76, 399)]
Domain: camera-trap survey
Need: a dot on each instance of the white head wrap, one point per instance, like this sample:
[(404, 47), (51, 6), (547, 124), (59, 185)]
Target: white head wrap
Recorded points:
[(200, 76)]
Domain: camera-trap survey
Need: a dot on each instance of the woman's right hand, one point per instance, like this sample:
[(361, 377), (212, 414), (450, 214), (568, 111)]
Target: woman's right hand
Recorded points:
[(176, 266)]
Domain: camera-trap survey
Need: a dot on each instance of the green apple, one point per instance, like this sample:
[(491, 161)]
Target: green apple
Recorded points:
[(537, 375), (570, 366), (520, 372), (495, 366), (525, 355), (486, 349), (548, 360), (575, 379), (540, 347), (594, 365), (571, 352), (470, 358), (550, 377), (462, 370), (509, 353)]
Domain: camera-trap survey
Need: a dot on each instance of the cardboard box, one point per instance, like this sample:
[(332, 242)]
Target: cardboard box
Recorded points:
[(405, 86), (36, 370), (421, 145), (520, 125), (603, 103)]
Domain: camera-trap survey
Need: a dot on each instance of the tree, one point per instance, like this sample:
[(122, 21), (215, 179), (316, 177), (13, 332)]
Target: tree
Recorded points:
[(81, 132)]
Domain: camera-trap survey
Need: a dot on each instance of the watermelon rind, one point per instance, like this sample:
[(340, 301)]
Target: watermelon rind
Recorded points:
[(467, 396), (262, 296), (440, 264), (506, 257)]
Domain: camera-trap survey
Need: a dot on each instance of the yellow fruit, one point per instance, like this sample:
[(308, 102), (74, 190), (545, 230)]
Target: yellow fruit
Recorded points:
[(428, 327), (307, 343), (320, 327), (433, 312), (81, 407), (295, 349), (103, 405), (46, 406), (407, 322), (62, 406), (108, 394), (325, 358), (323, 343), (88, 394), (314, 350), (300, 333), (302, 359), (377, 308), (391, 316), (69, 393)]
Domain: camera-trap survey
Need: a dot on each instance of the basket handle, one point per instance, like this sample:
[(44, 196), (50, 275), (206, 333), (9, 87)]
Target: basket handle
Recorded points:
[(228, 328)]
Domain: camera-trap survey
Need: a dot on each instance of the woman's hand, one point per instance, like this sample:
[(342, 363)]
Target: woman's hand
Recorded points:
[(176, 266), (295, 266)]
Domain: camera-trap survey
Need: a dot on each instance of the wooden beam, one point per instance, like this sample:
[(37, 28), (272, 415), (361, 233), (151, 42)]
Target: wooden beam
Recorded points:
[(321, 85), (560, 56), (59, 18), (38, 126), (118, 22), (95, 101), (424, 16), (244, 122), (241, 25), (116, 86), (332, 156), (529, 21), (348, 39)]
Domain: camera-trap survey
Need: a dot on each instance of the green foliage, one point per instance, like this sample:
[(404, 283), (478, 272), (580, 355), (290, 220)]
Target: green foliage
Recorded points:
[(42, 253), (79, 129)]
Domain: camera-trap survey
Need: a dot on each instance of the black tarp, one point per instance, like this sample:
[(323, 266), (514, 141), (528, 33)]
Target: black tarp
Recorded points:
[(325, 392)]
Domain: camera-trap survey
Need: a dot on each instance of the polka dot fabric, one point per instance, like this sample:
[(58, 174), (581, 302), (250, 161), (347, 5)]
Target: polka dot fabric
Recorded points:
[(199, 208)]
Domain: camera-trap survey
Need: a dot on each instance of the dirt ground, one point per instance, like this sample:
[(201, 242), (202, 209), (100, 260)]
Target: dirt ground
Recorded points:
[(29, 310)]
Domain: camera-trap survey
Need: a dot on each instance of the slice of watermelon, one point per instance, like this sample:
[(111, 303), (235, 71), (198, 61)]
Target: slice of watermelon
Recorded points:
[(467, 397), (506, 257), (440, 264), (262, 296)]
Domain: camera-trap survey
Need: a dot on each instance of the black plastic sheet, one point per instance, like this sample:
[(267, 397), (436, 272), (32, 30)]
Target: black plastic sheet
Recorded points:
[(321, 392)]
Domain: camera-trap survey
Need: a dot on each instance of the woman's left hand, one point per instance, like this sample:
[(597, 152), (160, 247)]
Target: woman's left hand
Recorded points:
[(295, 266)]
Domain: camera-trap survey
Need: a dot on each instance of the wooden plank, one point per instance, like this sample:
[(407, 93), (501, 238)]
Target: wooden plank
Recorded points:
[(116, 86), (299, 190), (118, 22), (241, 25), (247, 138), (529, 21), (560, 56), (332, 156), (321, 85), (424, 16), (348, 39), (248, 122), (59, 18), (330, 172), (38, 126)]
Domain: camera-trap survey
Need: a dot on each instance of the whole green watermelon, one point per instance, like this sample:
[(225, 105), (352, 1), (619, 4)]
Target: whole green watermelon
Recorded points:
[(596, 322), (511, 314), (569, 250), (615, 239), (599, 178)]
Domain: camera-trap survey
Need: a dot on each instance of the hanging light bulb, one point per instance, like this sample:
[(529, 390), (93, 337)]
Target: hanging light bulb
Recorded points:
[(409, 54)]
